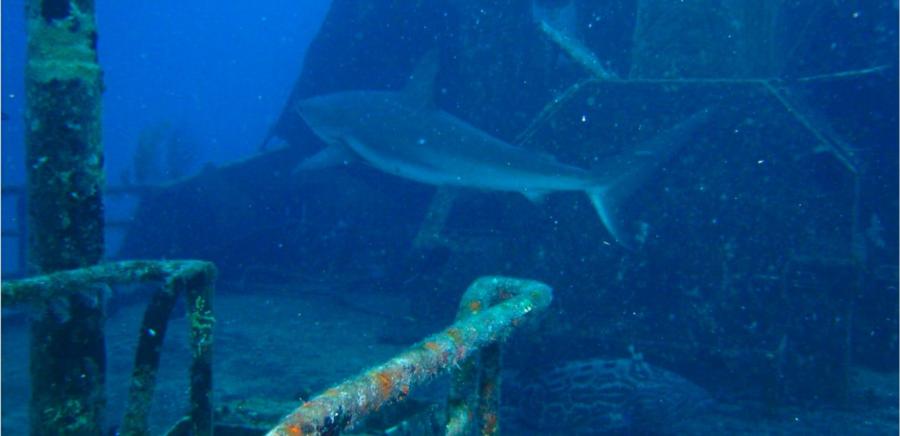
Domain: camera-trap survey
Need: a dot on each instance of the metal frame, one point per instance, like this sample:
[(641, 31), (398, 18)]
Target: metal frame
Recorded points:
[(193, 279)]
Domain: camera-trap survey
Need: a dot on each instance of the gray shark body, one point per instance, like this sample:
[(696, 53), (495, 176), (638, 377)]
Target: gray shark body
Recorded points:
[(403, 134)]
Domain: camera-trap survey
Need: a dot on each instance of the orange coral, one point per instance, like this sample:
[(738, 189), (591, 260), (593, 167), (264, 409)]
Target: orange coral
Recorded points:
[(433, 346), (475, 306)]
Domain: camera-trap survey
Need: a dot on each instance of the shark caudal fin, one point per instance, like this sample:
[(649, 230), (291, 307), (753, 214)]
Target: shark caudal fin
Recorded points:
[(608, 211), (623, 174)]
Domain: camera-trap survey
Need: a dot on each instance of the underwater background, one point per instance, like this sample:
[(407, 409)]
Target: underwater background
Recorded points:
[(757, 292)]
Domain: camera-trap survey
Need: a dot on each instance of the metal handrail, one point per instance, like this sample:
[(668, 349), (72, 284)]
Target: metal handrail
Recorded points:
[(191, 278), (489, 311)]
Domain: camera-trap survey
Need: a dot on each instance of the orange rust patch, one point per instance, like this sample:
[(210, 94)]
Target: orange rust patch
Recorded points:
[(490, 423), (487, 389), (474, 306), (385, 384), (294, 429)]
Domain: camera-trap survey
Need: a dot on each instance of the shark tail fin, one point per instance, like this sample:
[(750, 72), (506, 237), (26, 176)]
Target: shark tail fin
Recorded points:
[(623, 174)]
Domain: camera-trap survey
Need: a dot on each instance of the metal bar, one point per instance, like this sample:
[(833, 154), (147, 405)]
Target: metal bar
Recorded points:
[(489, 389), (844, 74), (435, 218), (577, 51), (22, 233), (343, 405), (199, 299), (146, 361), (458, 421), (550, 110), (462, 397), (39, 289), (840, 151)]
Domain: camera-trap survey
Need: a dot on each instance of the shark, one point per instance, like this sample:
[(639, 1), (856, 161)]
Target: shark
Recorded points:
[(405, 134)]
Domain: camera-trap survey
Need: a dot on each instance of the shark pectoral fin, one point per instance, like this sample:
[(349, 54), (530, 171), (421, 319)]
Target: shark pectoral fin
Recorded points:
[(536, 197), (330, 156), (607, 207)]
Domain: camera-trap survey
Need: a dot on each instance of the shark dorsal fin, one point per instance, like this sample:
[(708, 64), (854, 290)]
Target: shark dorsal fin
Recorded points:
[(419, 91)]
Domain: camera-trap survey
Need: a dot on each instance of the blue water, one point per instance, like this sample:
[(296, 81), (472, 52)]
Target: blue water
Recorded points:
[(760, 266)]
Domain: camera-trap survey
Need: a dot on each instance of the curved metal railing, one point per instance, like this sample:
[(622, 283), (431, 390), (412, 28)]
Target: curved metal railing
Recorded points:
[(490, 309)]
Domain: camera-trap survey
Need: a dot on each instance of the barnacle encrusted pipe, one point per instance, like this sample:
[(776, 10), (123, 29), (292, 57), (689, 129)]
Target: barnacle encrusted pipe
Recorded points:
[(343, 405)]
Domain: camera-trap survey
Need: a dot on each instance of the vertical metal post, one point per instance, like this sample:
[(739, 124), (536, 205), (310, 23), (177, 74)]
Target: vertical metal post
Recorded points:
[(64, 163), (477, 378), (199, 300), (22, 226), (489, 389)]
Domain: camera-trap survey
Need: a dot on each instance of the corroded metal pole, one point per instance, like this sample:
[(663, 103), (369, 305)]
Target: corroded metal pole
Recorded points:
[(477, 378), (343, 405), (64, 162)]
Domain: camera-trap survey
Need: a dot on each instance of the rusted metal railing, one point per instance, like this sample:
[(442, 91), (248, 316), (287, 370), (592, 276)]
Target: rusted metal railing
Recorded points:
[(193, 279), (490, 309)]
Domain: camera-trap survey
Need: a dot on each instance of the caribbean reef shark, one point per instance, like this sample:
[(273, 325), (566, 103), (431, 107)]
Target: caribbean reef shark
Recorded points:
[(404, 134)]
